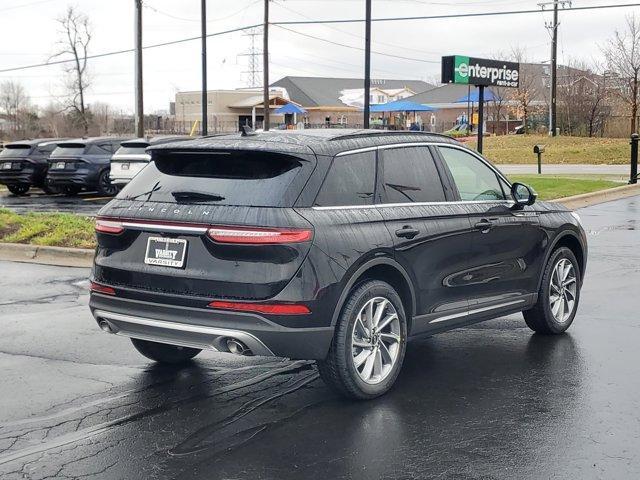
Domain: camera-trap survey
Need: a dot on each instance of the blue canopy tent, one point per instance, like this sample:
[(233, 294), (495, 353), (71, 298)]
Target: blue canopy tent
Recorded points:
[(289, 108), (474, 97), (401, 106)]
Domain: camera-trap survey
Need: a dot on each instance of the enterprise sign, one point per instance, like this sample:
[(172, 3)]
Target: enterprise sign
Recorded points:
[(479, 71)]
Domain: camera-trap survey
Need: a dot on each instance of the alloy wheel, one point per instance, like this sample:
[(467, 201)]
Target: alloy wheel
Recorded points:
[(562, 291), (375, 340)]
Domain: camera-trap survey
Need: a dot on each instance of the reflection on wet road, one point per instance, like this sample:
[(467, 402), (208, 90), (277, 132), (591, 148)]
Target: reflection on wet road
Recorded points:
[(86, 203), (489, 401)]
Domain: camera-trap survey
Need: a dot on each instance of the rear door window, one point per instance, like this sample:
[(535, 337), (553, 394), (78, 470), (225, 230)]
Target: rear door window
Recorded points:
[(351, 181), (245, 178), (475, 180), (410, 175)]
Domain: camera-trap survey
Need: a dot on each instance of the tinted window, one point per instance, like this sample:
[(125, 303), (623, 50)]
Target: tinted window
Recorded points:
[(221, 178), (474, 179), (68, 150), (350, 181), (410, 175), (15, 151), (102, 149)]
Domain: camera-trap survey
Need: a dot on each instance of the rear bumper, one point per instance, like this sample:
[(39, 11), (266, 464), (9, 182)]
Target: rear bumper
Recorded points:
[(208, 329), (84, 178), (18, 177)]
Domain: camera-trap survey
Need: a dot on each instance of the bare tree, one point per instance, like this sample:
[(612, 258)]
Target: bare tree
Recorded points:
[(75, 36), (623, 58), (13, 103), (527, 90)]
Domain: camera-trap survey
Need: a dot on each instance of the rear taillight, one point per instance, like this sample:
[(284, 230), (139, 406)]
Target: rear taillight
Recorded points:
[(259, 235), (97, 288), (268, 308), (109, 226)]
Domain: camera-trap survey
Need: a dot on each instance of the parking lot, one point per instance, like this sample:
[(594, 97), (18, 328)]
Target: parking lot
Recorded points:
[(488, 401), (86, 203)]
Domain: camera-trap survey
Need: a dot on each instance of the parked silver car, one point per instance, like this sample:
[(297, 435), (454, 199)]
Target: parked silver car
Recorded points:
[(131, 157)]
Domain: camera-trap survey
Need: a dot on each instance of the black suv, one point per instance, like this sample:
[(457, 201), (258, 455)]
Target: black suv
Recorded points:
[(336, 246), (24, 164), (83, 164)]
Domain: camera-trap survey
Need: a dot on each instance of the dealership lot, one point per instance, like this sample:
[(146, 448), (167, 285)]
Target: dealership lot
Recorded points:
[(37, 201), (488, 401)]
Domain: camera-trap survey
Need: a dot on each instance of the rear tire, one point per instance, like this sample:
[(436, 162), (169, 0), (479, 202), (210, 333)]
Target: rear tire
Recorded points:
[(558, 296), (18, 189), (164, 353), (70, 191), (104, 185), (364, 362)]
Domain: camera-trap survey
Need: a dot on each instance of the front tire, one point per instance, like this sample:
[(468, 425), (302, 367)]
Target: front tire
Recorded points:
[(164, 353), (369, 343), (558, 296)]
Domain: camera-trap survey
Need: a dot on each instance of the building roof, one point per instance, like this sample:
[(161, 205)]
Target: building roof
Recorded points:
[(257, 101), (326, 91)]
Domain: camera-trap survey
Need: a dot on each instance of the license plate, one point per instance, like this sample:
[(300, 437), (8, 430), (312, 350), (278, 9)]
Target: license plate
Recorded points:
[(6, 166), (167, 252), (60, 165), (124, 166)]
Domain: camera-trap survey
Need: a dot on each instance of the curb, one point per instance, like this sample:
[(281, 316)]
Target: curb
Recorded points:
[(602, 196), (61, 256)]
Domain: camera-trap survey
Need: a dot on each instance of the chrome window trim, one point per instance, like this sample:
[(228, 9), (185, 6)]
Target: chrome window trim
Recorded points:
[(421, 204)]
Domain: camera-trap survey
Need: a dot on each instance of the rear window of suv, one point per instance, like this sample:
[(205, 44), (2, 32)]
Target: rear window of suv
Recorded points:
[(15, 151), (244, 178), (68, 150)]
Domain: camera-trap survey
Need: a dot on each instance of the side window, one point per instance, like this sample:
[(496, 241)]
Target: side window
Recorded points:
[(350, 181), (410, 175), (474, 179)]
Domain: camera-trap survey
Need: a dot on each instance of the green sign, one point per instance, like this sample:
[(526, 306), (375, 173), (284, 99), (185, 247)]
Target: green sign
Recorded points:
[(479, 71)]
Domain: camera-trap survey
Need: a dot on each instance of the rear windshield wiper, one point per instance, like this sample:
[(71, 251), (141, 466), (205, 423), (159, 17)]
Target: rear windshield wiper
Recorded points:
[(197, 197), (155, 188)]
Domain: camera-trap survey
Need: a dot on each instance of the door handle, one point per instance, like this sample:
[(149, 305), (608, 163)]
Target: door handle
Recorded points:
[(407, 232), (484, 225)]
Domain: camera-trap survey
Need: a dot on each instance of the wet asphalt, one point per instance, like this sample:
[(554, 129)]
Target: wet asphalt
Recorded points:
[(85, 203), (492, 401)]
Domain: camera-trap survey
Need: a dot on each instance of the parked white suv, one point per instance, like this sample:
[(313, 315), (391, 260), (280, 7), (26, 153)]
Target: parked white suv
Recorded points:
[(132, 157)]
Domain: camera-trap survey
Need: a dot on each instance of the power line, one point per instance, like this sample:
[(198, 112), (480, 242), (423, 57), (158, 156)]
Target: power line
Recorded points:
[(329, 21)]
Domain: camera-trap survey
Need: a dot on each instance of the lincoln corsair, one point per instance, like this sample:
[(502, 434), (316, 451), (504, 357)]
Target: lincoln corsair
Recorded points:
[(337, 246)]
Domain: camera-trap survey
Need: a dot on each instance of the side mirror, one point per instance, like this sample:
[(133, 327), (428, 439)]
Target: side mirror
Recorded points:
[(523, 194)]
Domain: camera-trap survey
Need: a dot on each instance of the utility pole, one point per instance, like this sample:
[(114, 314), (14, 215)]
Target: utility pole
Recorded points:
[(203, 21), (139, 116), (554, 61), (265, 66), (367, 64)]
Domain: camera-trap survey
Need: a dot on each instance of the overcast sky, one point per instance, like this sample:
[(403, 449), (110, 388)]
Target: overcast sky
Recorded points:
[(29, 32)]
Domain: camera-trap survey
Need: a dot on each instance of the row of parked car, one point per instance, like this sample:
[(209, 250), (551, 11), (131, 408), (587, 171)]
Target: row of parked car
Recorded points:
[(68, 166)]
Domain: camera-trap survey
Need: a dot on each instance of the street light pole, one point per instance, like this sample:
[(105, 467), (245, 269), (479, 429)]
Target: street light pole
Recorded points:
[(367, 64), (139, 110), (203, 21), (265, 67)]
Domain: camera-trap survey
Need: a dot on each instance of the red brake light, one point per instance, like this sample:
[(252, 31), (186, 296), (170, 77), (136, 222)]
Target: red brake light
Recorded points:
[(96, 287), (109, 226), (262, 236), (269, 308)]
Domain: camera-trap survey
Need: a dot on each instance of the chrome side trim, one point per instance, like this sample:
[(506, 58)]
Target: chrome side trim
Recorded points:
[(164, 228), (184, 334), (477, 310)]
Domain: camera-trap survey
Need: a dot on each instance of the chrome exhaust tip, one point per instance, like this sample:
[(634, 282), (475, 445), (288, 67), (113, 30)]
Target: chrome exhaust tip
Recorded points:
[(237, 347), (105, 327)]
